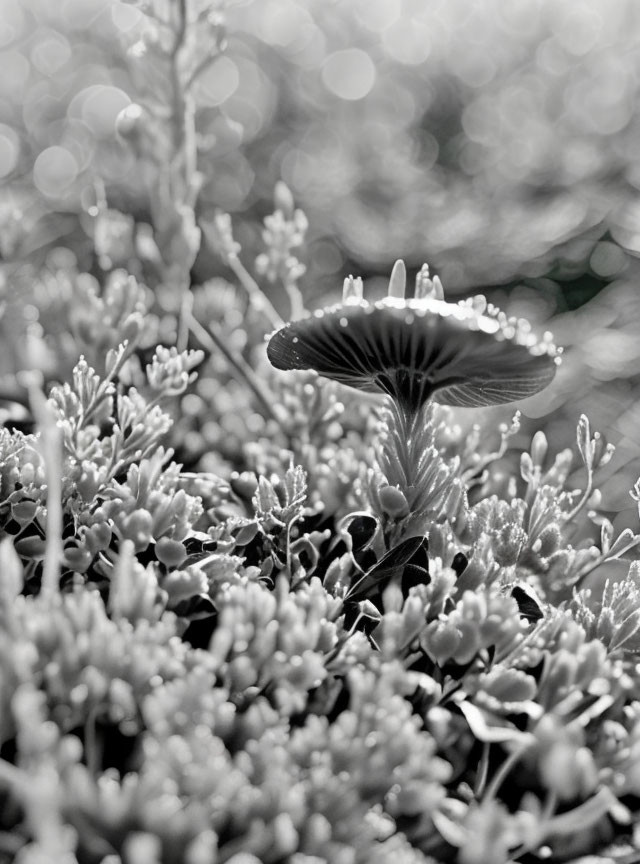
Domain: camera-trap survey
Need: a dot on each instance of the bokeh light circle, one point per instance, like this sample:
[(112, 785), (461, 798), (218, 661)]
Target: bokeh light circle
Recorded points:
[(125, 16), (409, 41), (54, 170), (50, 53), (9, 150), (98, 107), (12, 21), (349, 74), (219, 82)]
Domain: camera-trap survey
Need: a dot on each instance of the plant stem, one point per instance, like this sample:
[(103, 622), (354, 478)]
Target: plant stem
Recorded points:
[(483, 770), (212, 340), (51, 438), (295, 299), (568, 517), (259, 300), (501, 774), (184, 319), (185, 158), (202, 67)]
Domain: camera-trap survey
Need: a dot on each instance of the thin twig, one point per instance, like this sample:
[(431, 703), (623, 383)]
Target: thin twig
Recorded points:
[(202, 67), (102, 392), (186, 314), (259, 299), (501, 774), (51, 438), (295, 299), (601, 559), (92, 747), (213, 341), (182, 29), (185, 151), (568, 517), (483, 770)]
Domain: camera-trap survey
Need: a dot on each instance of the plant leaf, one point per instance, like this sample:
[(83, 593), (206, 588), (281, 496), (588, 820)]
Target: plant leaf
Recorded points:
[(390, 563)]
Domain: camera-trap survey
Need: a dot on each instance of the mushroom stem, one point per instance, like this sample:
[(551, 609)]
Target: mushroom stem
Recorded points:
[(400, 446)]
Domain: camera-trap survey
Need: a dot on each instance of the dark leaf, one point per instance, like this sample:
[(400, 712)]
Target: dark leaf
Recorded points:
[(416, 572), (528, 603), (388, 566), (195, 608), (459, 563), (362, 530)]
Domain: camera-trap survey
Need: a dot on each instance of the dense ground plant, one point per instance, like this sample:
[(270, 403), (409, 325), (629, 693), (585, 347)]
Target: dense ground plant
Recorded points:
[(277, 598), (351, 644)]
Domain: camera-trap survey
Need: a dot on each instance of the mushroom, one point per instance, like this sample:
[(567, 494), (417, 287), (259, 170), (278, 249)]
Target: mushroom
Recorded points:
[(466, 354)]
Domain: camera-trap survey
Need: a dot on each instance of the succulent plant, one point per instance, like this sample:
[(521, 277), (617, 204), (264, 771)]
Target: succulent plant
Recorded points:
[(362, 634)]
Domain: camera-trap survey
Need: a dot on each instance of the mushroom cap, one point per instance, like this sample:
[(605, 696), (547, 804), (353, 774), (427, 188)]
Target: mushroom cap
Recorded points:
[(464, 354)]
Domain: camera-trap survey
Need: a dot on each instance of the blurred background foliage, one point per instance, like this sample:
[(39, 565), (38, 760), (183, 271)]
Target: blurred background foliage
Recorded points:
[(497, 141)]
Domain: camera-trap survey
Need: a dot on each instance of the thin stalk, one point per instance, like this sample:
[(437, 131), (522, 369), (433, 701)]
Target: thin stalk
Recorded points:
[(501, 774), (212, 340), (584, 498), (483, 770), (201, 68), (186, 315), (259, 300), (185, 148), (51, 438), (102, 391), (92, 747), (589, 568), (295, 300)]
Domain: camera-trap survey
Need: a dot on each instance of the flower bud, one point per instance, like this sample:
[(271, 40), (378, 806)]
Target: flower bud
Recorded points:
[(202, 849), (539, 447), (137, 527), (170, 552), (283, 199), (30, 547), (393, 502), (128, 121), (24, 512), (77, 559), (244, 484), (98, 537), (440, 641)]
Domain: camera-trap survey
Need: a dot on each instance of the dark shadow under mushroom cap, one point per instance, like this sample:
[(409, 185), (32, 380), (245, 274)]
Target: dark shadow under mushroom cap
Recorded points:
[(462, 354)]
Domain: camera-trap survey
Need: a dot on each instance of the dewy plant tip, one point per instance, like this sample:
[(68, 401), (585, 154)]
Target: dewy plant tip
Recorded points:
[(465, 354)]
